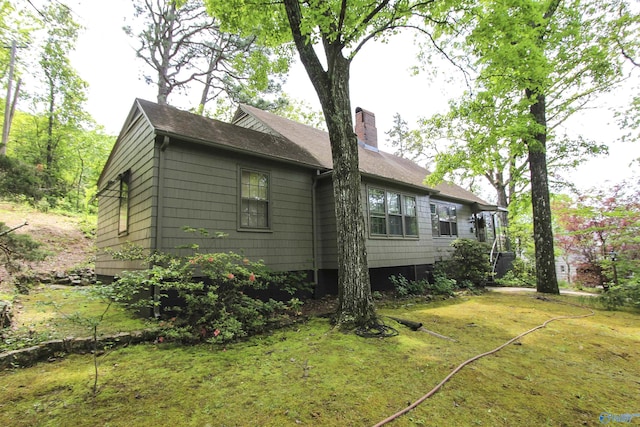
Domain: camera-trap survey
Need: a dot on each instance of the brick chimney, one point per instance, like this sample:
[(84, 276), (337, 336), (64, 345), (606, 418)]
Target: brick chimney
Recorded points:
[(366, 128)]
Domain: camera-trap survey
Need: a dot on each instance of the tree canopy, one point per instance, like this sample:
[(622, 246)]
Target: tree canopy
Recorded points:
[(188, 52), (530, 65), (55, 149)]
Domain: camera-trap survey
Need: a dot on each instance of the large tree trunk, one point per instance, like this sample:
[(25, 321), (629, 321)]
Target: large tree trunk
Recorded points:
[(546, 279), (355, 303)]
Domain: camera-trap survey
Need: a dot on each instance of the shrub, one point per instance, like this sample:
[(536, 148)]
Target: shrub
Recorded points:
[(469, 262), (17, 178), (442, 285), (225, 305), (627, 294), (15, 247), (405, 287), (590, 275), (522, 273)]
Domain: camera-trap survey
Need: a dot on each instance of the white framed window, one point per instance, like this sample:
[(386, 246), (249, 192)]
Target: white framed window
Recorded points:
[(254, 199), (123, 203)]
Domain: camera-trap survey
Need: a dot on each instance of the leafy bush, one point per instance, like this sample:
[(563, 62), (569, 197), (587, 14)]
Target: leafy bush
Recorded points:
[(469, 262), (522, 274), (17, 178), (405, 287), (627, 294), (442, 285), (223, 306), (590, 275), (14, 247)]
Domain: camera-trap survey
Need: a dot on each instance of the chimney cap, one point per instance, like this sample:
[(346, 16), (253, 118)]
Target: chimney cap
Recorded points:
[(360, 109)]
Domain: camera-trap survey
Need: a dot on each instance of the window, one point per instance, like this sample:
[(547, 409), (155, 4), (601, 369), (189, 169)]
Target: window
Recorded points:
[(254, 199), (392, 213), (444, 220), (123, 209)]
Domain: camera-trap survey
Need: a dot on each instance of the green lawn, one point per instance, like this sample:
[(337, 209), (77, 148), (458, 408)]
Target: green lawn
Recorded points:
[(565, 374), (48, 313)]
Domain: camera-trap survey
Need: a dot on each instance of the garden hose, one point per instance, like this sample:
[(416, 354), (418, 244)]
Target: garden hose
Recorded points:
[(479, 356)]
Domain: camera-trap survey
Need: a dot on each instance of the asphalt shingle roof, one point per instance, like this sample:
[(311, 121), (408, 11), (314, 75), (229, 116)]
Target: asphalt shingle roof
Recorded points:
[(374, 163), (193, 127), (292, 142)]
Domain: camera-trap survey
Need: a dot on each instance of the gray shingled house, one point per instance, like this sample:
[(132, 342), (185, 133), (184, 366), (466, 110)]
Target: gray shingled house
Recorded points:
[(266, 182)]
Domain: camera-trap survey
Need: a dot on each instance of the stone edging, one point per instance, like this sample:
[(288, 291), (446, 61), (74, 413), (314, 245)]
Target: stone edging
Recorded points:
[(51, 350)]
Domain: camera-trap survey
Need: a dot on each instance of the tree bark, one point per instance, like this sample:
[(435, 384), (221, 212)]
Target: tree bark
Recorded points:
[(546, 279), (355, 302)]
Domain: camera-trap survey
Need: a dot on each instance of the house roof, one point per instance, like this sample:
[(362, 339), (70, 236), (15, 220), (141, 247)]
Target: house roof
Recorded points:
[(180, 124), (377, 164), (287, 141)]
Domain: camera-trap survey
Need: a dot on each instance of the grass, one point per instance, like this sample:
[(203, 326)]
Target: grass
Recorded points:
[(49, 313), (565, 374)]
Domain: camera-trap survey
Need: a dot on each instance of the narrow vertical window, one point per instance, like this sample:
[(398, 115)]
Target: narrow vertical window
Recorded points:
[(410, 216), (377, 211), (123, 209), (435, 220), (254, 199), (395, 213)]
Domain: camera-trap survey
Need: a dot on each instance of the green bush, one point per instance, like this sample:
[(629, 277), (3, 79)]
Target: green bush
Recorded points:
[(522, 274), (225, 305), (469, 263), (15, 247), (624, 295), (442, 285), (17, 178), (405, 287)]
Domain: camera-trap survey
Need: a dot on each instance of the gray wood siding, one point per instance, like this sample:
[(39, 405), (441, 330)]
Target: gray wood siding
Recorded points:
[(135, 151), (442, 245), (251, 122), (326, 225), (399, 251), (200, 189)]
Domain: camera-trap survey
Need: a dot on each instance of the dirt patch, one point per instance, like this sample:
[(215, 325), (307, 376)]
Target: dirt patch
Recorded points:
[(324, 306), (60, 236)]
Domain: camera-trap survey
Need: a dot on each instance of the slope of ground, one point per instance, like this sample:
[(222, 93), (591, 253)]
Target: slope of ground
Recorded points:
[(60, 236)]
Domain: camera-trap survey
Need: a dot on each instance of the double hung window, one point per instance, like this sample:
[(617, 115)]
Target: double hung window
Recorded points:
[(254, 199)]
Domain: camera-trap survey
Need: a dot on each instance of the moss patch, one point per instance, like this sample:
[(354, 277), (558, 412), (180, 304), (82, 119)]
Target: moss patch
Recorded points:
[(565, 374), (48, 312)]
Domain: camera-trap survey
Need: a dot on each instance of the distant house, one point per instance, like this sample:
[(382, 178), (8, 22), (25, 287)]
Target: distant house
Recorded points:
[(266, 182)]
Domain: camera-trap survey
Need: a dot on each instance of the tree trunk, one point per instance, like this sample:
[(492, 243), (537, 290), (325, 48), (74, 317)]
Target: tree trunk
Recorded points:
[(50, 145), (546, 279), (7, 109), (355, 303)]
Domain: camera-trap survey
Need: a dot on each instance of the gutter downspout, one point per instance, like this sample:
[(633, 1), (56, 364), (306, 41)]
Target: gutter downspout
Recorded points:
[(314, 224), (159, 215)]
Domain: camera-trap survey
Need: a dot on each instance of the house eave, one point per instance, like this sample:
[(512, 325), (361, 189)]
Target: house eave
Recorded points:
[(422, 189)]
